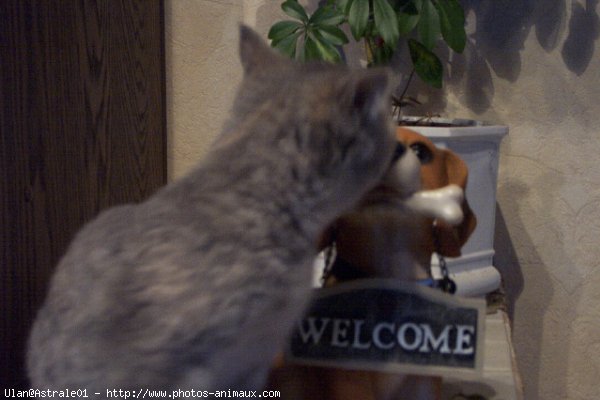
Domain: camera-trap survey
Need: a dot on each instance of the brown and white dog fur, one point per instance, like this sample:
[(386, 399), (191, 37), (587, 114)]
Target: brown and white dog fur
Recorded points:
[(383, 237)]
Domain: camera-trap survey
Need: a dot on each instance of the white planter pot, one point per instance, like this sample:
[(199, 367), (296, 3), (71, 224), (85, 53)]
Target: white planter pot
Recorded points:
[(478, 145)]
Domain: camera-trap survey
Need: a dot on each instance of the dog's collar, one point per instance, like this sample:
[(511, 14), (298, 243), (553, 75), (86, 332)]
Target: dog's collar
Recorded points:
[(345, 271)]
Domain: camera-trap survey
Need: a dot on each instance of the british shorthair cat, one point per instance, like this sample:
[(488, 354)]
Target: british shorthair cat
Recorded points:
[(199, 286)]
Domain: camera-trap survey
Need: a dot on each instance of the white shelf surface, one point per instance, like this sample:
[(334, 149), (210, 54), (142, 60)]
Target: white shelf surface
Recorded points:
[(501, 380)]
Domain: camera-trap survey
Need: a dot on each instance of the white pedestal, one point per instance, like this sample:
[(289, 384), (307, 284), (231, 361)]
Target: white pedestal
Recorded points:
[(501, 380), (478, 145)]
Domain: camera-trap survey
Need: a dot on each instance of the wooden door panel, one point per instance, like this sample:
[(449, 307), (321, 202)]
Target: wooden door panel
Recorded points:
[(82, 128)]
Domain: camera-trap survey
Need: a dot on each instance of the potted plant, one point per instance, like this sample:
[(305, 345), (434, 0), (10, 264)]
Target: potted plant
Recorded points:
[(384, 26), (381, 24)]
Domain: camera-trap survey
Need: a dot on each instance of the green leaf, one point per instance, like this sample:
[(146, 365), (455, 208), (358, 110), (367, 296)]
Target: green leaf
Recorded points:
[(386, 22), (344, 6), (327, 16), (283, 29), (452, 24), (427, 65), (406, 23), (358, 17), (333, 35), (409, 6), (429, 25), (288, 44), (326, 50), (294, 10), (408, 17), (382, 55), (310, 50)]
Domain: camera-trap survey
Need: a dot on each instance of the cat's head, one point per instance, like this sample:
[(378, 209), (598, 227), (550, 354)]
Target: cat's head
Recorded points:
[(332, 123)]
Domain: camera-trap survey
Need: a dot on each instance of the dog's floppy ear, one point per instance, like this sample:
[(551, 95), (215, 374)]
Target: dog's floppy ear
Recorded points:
[(452, 238), (326, 238)]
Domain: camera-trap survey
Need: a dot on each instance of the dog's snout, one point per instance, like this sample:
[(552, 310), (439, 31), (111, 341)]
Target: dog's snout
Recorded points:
[(398, 152), (404, 172)]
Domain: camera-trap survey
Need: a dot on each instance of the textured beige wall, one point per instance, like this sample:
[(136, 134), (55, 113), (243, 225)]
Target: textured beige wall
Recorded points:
[(537, 69), (532, 65), (202, 73), (203, 69)]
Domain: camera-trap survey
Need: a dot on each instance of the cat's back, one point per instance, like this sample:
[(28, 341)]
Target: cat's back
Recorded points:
[(116, 300), (81, 301), (200, 284)]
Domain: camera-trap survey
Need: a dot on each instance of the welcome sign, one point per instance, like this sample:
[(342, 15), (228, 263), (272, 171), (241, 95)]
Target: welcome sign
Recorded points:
[(391, 326)]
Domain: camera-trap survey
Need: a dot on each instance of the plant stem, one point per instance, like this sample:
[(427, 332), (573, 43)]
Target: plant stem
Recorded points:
[(410, 77), (369, 51), (398, 101)]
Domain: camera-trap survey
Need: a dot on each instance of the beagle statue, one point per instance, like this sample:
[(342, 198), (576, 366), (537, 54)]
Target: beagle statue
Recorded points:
[(418, 208), (412, 213)]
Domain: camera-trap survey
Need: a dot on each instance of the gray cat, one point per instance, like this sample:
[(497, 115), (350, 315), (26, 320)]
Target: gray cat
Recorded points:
[(198, 287)]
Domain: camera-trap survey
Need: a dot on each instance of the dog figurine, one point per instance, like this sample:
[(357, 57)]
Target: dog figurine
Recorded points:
[(390, 229), (417, 209)]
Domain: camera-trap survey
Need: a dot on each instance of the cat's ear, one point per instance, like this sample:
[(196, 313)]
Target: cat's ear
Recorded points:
[(372, 92), (255, 54)]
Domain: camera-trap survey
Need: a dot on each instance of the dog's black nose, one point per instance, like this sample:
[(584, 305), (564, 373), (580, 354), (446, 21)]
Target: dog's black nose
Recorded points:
[(398, 152)]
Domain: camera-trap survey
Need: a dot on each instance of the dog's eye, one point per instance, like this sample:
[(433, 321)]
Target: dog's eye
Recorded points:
[(422, 152), (398, 152)]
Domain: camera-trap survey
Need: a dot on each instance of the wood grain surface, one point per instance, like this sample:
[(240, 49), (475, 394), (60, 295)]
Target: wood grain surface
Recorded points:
[(82, 128)]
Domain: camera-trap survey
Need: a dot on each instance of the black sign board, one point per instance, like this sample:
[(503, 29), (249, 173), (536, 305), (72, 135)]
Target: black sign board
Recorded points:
[(391, 326)]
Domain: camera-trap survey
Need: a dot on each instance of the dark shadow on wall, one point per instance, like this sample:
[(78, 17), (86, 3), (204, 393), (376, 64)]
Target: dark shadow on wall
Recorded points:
[(550, 17), (530, 271), (501, 28), (578, 48), (497, 31), (507, 263)]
